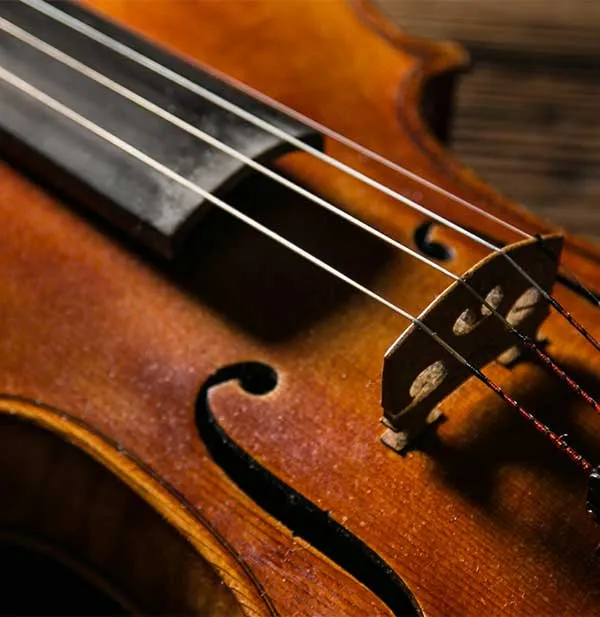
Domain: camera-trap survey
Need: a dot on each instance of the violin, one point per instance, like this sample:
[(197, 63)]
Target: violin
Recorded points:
[(266, 348)]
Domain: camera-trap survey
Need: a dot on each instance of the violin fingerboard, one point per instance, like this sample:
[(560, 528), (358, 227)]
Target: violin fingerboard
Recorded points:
[(145, 203)]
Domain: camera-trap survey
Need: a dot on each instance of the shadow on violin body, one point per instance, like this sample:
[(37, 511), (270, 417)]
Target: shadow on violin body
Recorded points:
[(472, 462), (264, 289)]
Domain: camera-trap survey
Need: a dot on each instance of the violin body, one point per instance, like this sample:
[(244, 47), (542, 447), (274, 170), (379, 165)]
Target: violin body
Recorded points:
[(205, 436)]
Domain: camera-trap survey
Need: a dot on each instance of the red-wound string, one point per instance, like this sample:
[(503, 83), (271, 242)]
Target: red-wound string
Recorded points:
[(563, 311), (557, 440), (560, 373)]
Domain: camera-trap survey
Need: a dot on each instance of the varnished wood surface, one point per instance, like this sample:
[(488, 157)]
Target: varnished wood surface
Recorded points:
[(146, 567), (526, 115), (484, 518)]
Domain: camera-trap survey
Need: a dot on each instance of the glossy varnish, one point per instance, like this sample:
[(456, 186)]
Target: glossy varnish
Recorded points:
[(483, 518)]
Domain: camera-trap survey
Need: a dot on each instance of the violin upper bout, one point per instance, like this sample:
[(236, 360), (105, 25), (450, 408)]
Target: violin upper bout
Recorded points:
[(431, 84)]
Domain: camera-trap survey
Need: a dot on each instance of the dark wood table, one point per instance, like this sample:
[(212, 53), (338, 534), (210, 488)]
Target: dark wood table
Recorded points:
[(527, 115)]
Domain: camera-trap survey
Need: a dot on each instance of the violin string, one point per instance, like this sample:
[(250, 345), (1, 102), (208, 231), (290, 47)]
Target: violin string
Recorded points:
[(90, 73), (133, 55), (559, 441), (397, 168)]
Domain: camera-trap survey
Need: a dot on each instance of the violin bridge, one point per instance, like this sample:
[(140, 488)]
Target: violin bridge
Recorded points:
[(418, 373)]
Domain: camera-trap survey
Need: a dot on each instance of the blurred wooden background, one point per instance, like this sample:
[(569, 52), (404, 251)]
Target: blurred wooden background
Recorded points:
[(527, 116)]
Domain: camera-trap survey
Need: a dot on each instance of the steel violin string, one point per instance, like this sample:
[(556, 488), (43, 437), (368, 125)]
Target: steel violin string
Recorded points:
[(150, 64), (90, 73), (559, 441)]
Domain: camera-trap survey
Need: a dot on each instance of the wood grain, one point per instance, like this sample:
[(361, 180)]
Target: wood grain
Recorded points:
[(484, 518), (147, 567)]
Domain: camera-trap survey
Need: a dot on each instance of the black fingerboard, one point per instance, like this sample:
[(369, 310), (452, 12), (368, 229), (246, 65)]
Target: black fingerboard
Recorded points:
[(142, 201)]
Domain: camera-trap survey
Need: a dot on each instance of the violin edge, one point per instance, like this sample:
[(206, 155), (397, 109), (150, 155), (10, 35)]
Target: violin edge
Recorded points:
[(130, 471), (449, 58)]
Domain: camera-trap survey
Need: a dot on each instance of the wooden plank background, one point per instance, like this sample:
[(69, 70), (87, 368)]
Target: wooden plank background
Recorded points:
[(527, 115)]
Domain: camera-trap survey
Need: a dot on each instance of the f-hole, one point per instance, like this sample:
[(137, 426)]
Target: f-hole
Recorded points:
[(435, 250), (301, 516)]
